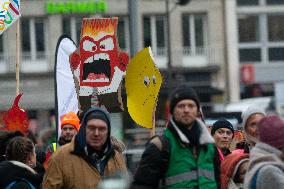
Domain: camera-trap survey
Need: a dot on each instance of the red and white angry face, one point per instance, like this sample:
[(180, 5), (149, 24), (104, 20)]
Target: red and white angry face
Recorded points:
[(98, 60)]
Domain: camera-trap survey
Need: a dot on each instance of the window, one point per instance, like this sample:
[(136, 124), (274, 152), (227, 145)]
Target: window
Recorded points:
[(250, 55), (261, 38), (194, 33), (275, 2), (33, 38), (276, 27), (66, 26), (78, 25), (154, 33), (123, 33), (39, 33), (26, 42), (248, 29), (247, 2), (276, 54), (71, 26)]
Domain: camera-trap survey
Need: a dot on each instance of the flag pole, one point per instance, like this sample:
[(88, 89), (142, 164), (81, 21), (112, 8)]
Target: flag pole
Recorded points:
[(18, 58)]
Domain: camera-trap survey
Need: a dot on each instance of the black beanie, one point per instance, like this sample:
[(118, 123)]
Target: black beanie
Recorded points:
[(98, 115), (222, 123), (183, 92)]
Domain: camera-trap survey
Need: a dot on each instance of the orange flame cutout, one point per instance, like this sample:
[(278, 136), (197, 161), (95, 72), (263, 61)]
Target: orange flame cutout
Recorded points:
[(16, 119), (92, 27)]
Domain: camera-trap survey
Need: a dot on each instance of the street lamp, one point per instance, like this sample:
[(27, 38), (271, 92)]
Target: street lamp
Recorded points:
[(168, 12)]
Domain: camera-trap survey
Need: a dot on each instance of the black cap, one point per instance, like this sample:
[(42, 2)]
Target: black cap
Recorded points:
[(222, 123), (183, 92)]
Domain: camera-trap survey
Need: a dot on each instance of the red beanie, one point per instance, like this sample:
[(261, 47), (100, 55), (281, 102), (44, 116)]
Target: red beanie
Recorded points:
[(271, 131)]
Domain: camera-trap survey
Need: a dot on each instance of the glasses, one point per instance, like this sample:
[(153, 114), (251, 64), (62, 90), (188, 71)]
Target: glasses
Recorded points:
[(96, 129)]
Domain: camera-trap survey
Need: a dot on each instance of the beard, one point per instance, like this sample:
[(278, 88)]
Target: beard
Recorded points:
[(64, 140)]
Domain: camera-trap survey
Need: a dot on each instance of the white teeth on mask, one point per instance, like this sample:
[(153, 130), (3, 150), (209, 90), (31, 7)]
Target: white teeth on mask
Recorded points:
[(97, 80), (89, 60), (102, 56)]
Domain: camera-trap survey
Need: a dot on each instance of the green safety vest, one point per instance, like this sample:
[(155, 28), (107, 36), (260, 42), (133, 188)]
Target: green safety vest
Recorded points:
[(185, 171)]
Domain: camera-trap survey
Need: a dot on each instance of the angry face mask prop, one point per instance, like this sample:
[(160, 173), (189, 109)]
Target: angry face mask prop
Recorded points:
[(98, 65)]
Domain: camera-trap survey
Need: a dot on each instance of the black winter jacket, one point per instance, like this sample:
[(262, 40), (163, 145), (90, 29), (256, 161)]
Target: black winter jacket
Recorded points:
[(10, 172)]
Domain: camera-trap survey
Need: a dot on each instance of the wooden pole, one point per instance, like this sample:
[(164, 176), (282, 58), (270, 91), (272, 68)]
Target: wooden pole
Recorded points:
[(153, 130), (18, 58)]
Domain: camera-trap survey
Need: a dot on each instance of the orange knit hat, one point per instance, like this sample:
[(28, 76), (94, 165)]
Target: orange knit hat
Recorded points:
[(72, 119)]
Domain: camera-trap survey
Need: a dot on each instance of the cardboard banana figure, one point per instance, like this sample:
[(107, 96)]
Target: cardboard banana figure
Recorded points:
[(143, 81)]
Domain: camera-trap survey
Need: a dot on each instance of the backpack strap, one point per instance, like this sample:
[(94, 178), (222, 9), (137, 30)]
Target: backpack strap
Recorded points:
[(21, 180), (254, 179), (10, 185)]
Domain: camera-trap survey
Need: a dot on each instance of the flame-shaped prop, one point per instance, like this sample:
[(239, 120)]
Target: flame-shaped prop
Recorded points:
[(15, 119)]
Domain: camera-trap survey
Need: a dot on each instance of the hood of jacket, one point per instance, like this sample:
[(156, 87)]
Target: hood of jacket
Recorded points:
[(229, 167), (82, 149), (13, 170), (262, 154), (204, 138)]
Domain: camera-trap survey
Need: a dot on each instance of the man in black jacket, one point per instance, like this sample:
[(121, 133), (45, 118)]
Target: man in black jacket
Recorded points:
[(185, 156)]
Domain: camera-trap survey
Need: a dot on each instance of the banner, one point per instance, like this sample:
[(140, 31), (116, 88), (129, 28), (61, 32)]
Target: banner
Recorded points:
[(65, 93), (9, 13)]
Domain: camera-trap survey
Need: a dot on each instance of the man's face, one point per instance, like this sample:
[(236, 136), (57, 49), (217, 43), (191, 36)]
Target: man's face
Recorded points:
[(68, 131), (96, 133), (251, 126), (185, 112), (223, 138)]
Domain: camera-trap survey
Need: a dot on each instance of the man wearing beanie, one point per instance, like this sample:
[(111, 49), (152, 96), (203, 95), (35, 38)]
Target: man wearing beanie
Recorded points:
[(266, 166), (70, 125), (183, 157), (88, 158), (223, 134), (251, 116)]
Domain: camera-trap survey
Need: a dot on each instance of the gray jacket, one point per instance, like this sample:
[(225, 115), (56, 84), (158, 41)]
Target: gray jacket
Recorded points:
[(266, 163)]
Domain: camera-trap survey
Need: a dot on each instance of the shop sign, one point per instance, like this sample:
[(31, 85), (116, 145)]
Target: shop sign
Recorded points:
[(76, 7)]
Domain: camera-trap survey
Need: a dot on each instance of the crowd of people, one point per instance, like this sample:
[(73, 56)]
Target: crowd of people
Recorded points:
[(187, 155)]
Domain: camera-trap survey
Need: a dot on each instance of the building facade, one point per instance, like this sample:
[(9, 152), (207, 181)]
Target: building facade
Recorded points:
[(196, 34)]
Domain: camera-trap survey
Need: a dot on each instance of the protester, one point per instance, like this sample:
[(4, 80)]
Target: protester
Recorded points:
[(70, 125), (88, 158), (251, 116), (184, 156), (266, 166), (223, 134), (17, 171), (233, 170), (5, 137)]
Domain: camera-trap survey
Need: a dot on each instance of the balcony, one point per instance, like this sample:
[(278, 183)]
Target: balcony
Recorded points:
[(198, 57), (29, 63), (44, 61)]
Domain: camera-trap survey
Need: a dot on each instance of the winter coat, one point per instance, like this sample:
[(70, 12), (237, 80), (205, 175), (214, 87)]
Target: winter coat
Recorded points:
[(198, 165), (153, 165), (72, 166), (229, 169), (11, 171), (267, 166)]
